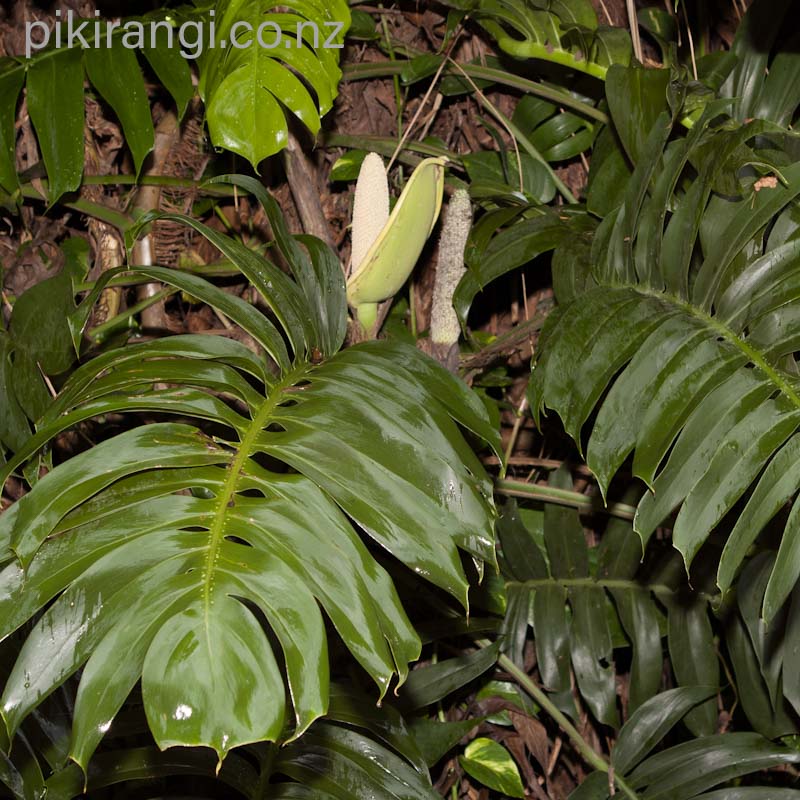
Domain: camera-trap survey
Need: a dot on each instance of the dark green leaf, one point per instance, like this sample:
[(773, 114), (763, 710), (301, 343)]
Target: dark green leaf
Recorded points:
[(648, 726), (432, 683), (694, 659), (435, 739), (347, 166), (636, 97), (639, 618), (40, 320), (362, 26), (689, 768), (10, 85), (791, 658), (767, 638), (751, 793), (510, 249), (170, 66), (517, 616), (563, 534), (751, 47), (14, 428), (593, 787), (55, 103), (551, 632), (346, 764), (520, 549), (751, 687), (114, 72), (590, 647)]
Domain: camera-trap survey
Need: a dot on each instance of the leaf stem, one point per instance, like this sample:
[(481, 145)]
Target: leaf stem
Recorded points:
[(96, 210), (591, 757), (355, 72), (218, 190), (227, 494), (659, 589), (528, 48), (562, 497), (521, 138), (386, 147), (216, 269), (100, 331), (112, 216), (398, 94)]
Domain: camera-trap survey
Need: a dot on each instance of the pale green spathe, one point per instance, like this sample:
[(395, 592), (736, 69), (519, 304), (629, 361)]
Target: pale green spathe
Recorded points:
[(394, 252)]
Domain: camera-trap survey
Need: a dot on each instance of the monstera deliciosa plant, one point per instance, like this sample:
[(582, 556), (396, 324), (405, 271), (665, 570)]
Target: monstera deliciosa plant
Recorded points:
[(693, 376), (201, 555)]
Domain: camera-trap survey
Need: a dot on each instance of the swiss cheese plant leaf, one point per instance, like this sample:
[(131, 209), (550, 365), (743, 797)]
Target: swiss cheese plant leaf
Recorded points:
[(318, 274), (374, 756), (678, 353), (565, 32), (202, 556), (249, 80), (584, 604)]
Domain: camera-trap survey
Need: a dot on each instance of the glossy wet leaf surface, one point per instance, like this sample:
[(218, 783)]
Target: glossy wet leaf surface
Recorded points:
[(206, 566)]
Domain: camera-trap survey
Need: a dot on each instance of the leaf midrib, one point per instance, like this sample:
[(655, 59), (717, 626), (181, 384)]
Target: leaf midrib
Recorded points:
[(628, 584), (752, 354), (226, 496)]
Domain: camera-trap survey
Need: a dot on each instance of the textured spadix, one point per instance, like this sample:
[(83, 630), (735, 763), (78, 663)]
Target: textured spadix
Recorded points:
[(445, 328), (370, 207)]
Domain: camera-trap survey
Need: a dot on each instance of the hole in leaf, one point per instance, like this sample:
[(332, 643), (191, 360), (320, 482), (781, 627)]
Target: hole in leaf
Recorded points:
[(238, 540)]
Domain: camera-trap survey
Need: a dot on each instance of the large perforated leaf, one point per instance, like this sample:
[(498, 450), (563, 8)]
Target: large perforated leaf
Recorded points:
[(680, 349), (202, 556)]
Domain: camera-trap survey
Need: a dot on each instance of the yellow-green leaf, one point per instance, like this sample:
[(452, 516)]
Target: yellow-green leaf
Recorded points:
[(490, 763)]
